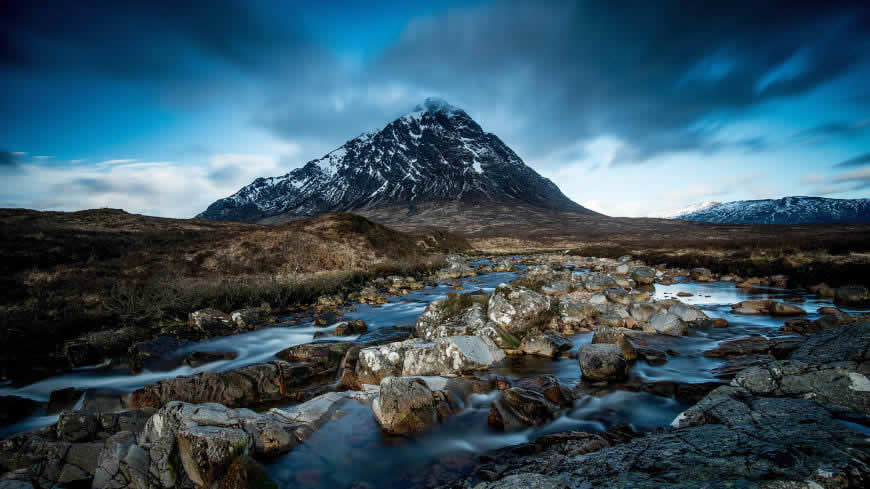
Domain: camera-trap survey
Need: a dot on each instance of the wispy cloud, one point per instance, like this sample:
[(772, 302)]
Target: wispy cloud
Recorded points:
[(863, 159), (162, 188)]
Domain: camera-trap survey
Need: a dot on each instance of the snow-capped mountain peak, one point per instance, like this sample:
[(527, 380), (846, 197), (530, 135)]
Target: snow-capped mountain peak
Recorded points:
[(435, 153)]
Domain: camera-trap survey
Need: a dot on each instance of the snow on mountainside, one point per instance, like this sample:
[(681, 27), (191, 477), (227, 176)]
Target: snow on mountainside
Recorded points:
[(787, 210), (435, 153), (673, 214)]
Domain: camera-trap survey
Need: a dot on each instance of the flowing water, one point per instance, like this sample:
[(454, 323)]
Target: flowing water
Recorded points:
[(350, 451)]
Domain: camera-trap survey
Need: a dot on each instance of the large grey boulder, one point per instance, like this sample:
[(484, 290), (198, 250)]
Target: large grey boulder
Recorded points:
[(453, 355), (668, 324), (517, 309), (602, 361)]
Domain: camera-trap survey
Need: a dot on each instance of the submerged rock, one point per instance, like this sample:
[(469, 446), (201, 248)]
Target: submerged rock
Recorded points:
[(407, 405), (530, 402)]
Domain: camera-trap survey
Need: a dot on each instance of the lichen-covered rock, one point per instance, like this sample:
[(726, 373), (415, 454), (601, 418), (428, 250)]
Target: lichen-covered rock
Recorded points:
[(548, 344), (211, 322), (207, 453), (436, 322), (451, 356), (517, 309), (701, 275), (838, 384), (602, 361), (618, 337), (251, 318), (379, 362), (617, 296), (407, 405)]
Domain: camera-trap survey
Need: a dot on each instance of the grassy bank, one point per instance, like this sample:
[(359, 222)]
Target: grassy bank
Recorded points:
[(67, 274)]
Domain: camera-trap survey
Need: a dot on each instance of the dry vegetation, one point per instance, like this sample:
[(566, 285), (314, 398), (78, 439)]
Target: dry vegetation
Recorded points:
[(64, 274), (836, 253)]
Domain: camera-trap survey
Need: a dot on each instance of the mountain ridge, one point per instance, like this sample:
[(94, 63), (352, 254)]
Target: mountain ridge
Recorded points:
[(786, 210), (435, 153)]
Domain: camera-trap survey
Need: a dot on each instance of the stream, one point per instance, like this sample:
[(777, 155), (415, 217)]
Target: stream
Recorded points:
[(351, 451)]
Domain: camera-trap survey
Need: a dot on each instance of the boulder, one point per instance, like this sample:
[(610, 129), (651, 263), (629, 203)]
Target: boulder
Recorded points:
[(211, 322), (668, 324), (142, 354), (251, 318), (642, 312), (596, 281), (783, 309), (407, 405), (617, 296), (379, 362), (517, 309), (643, 275), (453, 355), (852, 295), (548, 344), (350, 328), (687, 313), (326, 355), (602, 362), (618, 337), (701, 275), (823, 290), (531, 402), (208, 453)]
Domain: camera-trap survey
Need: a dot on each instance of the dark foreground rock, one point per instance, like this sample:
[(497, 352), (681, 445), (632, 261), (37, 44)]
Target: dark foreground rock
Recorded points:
[(785, 424)]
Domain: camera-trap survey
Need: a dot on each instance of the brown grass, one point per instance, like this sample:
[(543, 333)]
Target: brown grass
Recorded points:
[(64, 274)]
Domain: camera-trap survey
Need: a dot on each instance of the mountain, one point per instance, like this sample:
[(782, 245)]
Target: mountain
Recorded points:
[(675, 213), (436, 153), (787, 210)]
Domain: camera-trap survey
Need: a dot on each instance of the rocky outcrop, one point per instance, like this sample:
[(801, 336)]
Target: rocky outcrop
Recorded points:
[(65, 454), (247, 386), (777, 426)]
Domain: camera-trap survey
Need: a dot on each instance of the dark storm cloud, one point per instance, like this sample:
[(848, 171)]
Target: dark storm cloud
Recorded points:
[(663, 76), (138, 39), (861, 160)]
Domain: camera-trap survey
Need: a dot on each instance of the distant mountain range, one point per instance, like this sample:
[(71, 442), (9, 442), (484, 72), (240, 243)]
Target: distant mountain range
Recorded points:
[(787, 210), (434, 154)]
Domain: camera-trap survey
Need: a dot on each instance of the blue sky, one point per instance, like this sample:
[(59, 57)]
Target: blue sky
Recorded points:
[(631, 108)]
